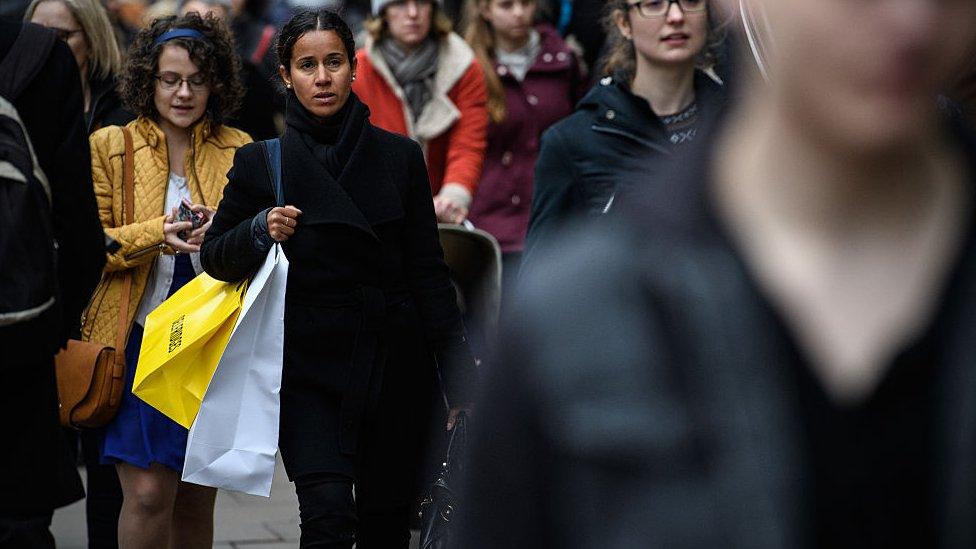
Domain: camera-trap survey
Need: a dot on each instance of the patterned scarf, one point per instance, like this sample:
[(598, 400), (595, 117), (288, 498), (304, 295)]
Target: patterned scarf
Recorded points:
[(414, 71)]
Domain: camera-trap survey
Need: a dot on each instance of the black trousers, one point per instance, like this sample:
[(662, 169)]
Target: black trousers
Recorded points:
[(104, 498), (26, 530), (333, 516), (373, 507)]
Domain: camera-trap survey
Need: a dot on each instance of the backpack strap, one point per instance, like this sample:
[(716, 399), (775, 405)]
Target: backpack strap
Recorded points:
[(267, 34), (272, 161), (25, 59)]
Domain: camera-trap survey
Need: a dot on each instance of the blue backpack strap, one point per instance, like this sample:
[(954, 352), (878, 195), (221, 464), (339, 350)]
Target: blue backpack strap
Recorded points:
[(272, 160)]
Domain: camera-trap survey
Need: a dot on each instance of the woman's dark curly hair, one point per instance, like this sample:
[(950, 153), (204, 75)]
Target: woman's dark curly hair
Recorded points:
[(216, 58)]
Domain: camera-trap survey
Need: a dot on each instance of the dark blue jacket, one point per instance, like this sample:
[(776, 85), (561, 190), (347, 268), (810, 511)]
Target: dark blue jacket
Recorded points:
[(612, 137)]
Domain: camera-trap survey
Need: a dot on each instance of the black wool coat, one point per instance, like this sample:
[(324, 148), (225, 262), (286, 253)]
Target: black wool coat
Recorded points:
[(369, 304)]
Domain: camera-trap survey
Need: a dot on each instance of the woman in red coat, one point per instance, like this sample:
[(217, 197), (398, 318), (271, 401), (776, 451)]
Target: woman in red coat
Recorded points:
[(420, 79)]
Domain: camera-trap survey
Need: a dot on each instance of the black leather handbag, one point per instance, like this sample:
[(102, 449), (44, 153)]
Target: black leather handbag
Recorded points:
[(440, 506)]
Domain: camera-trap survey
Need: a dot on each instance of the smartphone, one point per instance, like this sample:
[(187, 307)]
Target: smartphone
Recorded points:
[(186, 213)]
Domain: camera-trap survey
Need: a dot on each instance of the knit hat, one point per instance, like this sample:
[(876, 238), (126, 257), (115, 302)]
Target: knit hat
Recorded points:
[(378, 5)]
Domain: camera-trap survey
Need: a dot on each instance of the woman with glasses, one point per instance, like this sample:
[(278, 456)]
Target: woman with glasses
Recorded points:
[(422, 80), (650, 105), (181, 79), (85, 27)]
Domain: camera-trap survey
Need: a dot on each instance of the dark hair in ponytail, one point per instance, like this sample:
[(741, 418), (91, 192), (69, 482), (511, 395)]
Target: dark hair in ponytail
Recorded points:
[(312, 20)]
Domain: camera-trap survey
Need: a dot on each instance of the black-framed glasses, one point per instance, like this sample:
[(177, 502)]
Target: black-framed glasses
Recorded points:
[(660, 8), (172, 81)]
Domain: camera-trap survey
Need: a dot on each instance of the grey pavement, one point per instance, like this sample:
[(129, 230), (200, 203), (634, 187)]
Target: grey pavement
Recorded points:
[(240, 521)]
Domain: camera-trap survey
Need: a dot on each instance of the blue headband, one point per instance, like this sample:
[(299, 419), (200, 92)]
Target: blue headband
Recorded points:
[(180, 33)]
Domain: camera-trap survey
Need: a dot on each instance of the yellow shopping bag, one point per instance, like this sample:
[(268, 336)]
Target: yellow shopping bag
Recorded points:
[(182, 343)]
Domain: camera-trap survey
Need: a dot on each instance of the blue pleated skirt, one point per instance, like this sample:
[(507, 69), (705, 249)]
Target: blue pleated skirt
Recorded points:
[(140, 434)]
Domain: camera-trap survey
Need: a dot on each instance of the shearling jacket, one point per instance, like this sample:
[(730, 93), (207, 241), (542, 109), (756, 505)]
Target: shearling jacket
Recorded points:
[(206, 164), (452, 129)]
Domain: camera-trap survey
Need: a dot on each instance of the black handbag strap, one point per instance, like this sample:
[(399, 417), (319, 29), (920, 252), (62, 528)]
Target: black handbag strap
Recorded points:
[(272, 161), (25, 59), (459, 436)]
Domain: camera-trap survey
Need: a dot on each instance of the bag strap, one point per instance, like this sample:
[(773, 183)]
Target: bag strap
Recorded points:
[(25, 59), (272, 161), (457, 441), (128, 205)]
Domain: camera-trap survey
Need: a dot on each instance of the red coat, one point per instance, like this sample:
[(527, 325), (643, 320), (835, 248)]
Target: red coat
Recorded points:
[(453, 126)]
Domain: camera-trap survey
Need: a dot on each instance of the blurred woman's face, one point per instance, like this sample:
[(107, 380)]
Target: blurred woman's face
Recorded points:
[(408, 21), (510, 19), (204, 9), (54, 15), (182, 91), (865, 72), (666, 34), (321, 72)]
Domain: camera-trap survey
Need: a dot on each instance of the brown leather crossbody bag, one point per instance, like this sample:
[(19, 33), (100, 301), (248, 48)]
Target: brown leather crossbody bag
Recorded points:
[(91, 376)]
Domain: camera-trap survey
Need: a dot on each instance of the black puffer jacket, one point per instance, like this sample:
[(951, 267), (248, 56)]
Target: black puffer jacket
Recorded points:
[(612, 136)]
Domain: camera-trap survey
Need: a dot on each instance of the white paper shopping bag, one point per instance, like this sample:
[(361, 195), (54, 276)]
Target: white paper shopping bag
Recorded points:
[(234, 440)]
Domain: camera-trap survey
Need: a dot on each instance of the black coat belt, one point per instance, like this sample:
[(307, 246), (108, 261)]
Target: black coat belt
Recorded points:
[(369, 353)]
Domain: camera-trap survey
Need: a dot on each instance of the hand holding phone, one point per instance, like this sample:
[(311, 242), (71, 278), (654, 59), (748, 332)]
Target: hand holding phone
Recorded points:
[(185, 213)]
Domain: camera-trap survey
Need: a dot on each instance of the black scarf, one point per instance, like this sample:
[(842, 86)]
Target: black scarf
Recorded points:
[(331, 140)]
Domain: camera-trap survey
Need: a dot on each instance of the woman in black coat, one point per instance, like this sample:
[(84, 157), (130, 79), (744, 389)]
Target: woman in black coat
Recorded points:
[(369, 304), (652, 103)]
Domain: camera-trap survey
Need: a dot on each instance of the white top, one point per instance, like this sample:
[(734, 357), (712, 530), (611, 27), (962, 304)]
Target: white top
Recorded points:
[(161, 276), (521, 60)]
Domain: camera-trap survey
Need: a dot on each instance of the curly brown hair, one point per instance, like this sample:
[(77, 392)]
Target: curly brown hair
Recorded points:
[(216, 58)]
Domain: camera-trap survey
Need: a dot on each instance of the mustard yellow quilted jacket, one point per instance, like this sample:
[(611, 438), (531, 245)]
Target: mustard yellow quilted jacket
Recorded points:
[(206, 164)]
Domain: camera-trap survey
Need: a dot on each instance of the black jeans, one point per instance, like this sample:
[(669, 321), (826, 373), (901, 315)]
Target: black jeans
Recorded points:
[(104, 499), (331, 517), (26, 531)]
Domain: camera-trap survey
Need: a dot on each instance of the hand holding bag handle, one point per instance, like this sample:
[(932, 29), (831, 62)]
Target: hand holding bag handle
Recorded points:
[(91, 376)]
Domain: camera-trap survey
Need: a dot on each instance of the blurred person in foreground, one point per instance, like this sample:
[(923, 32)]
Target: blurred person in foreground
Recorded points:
[(421, 80), (36, 473), (181, 78), (776, 347), (654, 101), (84, 25)]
